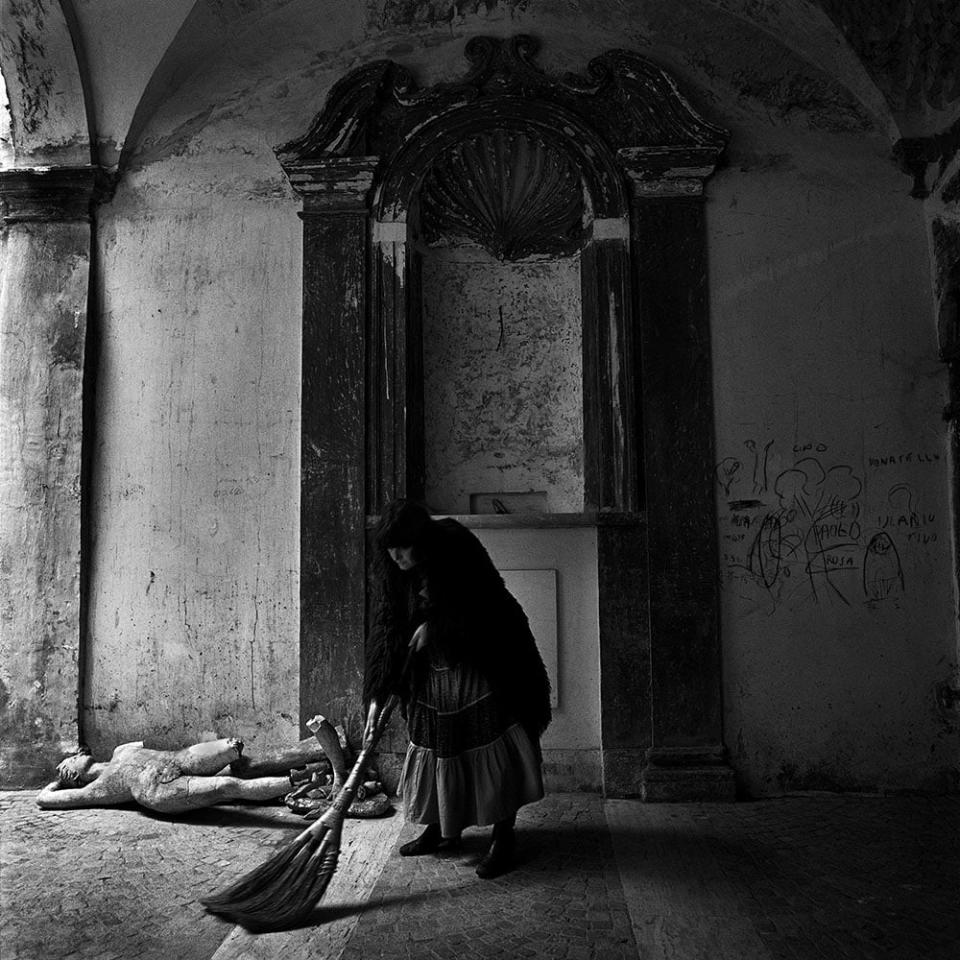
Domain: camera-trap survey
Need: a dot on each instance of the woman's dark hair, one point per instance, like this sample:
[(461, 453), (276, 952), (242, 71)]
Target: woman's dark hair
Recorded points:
[(403, 523)]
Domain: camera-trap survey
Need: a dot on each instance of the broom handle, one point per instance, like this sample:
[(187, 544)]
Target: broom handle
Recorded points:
[(349, 788), (347, 792)]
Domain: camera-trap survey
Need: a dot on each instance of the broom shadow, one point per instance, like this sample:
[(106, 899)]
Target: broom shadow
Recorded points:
[(321, 915), (231, 817)]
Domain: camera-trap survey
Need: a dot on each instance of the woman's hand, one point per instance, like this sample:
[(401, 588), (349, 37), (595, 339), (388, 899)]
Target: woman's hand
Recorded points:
[(373, 712), (419, 639)]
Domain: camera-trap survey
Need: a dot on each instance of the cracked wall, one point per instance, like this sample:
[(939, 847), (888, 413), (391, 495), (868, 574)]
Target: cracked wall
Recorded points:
[(828, 390), (503, 381)]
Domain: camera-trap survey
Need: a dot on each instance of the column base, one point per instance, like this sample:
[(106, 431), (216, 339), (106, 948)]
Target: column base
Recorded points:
[(687, 775), (623, 772)]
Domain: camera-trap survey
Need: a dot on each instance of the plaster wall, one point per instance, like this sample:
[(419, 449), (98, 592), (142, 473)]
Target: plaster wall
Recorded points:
[(833, 500), (824, 356), (193, 624), (122, 53), (45, 120), (503, 379)]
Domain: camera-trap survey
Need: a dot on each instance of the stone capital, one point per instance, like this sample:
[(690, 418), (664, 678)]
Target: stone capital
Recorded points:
[(336, 184), (667, 171), (48, 194)]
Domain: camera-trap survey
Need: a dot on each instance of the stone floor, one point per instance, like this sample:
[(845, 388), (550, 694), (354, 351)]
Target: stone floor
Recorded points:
[(794, 878)]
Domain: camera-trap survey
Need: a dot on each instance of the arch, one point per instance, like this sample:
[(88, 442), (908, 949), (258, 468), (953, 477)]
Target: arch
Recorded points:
[(556, 125), (395, 461), (48, 107)]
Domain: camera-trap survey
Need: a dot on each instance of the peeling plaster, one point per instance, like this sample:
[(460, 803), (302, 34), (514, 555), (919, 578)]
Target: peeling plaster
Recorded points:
[(195, 472), (45, 277), (503, 379), (48, 117), (195, 468), (384, 14)]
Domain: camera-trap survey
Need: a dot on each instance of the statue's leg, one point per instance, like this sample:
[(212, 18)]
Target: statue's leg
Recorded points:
[(327, 736), (192, 793), (205, 759)]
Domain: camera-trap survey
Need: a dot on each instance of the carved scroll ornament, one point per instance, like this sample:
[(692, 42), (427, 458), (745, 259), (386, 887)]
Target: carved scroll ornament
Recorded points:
[(625, 98)]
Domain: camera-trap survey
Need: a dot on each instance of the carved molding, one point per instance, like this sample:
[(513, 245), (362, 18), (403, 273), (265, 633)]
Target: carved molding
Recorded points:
[(628, 100), (338, 183), (48, 194), (506, 191)]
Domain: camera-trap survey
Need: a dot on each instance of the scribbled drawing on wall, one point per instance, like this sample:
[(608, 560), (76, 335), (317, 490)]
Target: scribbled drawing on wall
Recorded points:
[(799, 535), (768, 553), (760, 460), (882, 572), (805, 536), (727, 470), (817, 524)]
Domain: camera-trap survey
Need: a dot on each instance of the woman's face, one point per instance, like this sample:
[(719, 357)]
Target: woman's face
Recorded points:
[(403, 557)]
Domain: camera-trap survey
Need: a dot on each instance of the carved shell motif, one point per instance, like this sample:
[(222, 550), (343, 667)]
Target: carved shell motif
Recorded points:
[(506, 191)]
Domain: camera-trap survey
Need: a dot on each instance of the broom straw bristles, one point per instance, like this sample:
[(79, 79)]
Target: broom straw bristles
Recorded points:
[(284, 889)]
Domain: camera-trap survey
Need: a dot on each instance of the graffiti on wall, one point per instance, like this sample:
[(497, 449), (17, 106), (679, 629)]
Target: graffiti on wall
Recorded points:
[(796, 528)]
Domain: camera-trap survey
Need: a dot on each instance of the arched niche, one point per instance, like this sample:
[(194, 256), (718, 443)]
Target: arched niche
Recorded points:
[(372, 171), (496, 229), (609, 439)]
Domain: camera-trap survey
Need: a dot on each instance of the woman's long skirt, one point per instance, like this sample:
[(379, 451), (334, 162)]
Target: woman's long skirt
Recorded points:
[(468, 762)]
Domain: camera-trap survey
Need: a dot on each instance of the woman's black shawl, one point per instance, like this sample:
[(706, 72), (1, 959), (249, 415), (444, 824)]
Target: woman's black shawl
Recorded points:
[(471, 615)]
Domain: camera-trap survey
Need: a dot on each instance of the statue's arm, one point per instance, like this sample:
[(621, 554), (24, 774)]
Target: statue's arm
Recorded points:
[(55, 797), (103, 792)]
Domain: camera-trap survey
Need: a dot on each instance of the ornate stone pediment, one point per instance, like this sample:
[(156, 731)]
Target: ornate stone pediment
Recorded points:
[(628, 100)]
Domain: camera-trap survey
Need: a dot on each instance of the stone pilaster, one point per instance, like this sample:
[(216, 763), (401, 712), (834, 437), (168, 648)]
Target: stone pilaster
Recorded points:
[(687, 759), (44, 281), (333, 440)]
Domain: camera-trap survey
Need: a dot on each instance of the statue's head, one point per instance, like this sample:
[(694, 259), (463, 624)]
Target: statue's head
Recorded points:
[(71, 769)]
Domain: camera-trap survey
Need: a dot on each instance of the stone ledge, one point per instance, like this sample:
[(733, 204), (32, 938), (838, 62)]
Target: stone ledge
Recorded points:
[(48, 194), (695, 784)]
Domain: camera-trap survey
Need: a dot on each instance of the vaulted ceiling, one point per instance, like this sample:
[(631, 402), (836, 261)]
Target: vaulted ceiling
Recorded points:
[(911, 49), (92, 78)]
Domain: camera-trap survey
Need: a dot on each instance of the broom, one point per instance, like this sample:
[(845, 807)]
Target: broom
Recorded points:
[(284, 889)]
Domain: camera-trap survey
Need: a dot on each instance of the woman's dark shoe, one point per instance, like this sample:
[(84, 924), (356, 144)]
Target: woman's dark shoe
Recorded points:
[(428, 842), (450, 844), (499, 858)]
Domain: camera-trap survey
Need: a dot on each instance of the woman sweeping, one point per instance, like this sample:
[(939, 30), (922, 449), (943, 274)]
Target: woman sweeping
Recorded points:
[(475, 695)]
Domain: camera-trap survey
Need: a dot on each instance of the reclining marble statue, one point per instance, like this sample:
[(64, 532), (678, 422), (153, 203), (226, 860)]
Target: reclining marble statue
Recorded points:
[(174, 781), (168, 781)]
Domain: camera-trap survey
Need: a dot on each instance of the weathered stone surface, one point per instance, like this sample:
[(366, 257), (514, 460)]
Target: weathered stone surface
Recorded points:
[(41, 79), (43, 322), (807, 878), (503, 380), (819, 285)]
